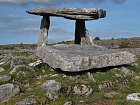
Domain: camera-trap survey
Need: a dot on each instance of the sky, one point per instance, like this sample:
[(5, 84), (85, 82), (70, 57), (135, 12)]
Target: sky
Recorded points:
[(16, 26)]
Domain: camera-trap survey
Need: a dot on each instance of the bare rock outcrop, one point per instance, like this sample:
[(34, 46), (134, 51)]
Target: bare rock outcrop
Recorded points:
[(27, 101), (7, 91), (5, 78), (75, 57), (84, 91), (51, 87)]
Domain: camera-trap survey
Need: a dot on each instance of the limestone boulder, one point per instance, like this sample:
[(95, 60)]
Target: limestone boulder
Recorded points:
[(16, 68), (84, 91), (111, 94), (126, 71), (5, 78), (74, 58), (70, 13), (7, 91), (51, 87), (135, 97), (1, 69), (27, 101)]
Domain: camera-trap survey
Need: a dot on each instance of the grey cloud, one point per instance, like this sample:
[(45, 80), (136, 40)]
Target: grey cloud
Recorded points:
[(58, 2), (18, 24)]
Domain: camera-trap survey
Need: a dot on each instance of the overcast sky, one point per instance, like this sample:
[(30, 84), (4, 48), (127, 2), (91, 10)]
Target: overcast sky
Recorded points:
[(17, 26)]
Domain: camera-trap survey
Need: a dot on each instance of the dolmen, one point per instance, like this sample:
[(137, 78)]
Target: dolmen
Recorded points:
[(84, 54)]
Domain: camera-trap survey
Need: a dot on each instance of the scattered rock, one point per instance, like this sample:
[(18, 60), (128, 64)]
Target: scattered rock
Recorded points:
[(74, 78), (83, 90), (69, 90), (17, 61), (137, 77), (111, 94), (55, 75), (1, 63), (7, 91), (126, 71), (105, 85), (29, 89), (52, 95), (81, 101), (1, 69), (134, 64), (43, 71), (64, 76), (133, 97), (27, 101), (5, 78), (41, 76), (16, 67), (5, 59), (26, 85), (51, 87), (36, 63), (90, 77), (68, 103)]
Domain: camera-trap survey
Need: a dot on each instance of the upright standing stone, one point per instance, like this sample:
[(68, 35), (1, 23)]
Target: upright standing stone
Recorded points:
[(88, 38), (80, 32), (45, 24), (79, 14), (82, 35)]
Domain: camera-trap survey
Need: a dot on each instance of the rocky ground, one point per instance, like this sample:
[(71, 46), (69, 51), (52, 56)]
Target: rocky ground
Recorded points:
[(23, 82)]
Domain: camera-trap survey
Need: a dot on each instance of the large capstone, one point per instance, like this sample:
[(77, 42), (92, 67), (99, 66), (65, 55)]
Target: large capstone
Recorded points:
[(75, 57), (70, 13)]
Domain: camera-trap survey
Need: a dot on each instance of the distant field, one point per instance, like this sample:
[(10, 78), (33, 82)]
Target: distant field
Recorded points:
[(125, 44), (120, 43), (110, 43), (114, 43)]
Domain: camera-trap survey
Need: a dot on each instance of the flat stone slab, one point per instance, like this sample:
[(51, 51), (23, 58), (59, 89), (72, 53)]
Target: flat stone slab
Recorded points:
[(70, 13), (76, 57)]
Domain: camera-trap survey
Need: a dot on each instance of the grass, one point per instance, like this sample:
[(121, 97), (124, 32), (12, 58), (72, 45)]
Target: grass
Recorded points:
[(24, 76), (30, 79)]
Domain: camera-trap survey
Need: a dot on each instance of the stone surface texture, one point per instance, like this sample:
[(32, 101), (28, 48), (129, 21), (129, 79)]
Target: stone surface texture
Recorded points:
[(1, 69), (111, 94), (7, 91), (34, 64), (90, 77), (84, 91), (44, 28), (27, 101), (51, 87), (75, 57), (68, 103), (126, 71), (5, 78), (70, 13), (133, 97), (16, 68)]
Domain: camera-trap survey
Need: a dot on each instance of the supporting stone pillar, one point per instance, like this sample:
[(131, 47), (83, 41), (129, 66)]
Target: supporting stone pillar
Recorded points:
[(80, 32), (82, 35), (89, 39), (44, 27)]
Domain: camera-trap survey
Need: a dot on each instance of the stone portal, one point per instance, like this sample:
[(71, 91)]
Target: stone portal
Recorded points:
[(83, 55), (80, 15)]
